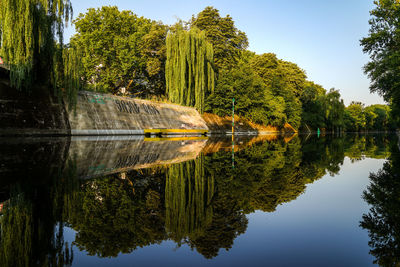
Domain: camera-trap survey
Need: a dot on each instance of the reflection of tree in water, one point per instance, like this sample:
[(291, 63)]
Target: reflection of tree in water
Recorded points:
[(195, 214), (30, 234), (383, 219), (111, 215), (201, 203), (188, 195)]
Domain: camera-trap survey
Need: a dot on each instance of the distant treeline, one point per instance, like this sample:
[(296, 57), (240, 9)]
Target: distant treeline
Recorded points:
[(203, 62)]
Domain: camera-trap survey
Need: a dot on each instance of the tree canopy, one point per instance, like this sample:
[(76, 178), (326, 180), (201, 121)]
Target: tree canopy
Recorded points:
[(121, 51), (383, 46), (221, 32), (189, 71)]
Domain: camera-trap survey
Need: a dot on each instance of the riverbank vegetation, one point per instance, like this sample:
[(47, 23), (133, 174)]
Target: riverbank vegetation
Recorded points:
[(203, 62), (382, 44), (267, 90), (32, 47)]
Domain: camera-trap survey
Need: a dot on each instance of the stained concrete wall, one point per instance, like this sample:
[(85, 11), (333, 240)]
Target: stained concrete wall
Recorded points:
[(103, 114), (41, 113), (34, 112)]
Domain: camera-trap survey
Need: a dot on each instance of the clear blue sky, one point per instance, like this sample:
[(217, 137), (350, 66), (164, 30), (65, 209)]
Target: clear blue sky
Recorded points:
[(321, 36)]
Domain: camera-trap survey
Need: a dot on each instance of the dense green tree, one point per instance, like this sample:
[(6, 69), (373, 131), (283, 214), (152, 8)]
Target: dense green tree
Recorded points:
[(153, 49), (312, 99), (252, 98), (189, 71), (370, 118), (383, 46), (284, 80), (29, 32), (356, 112), (110, 43), (381, 119), (334, 111), (221, 32)]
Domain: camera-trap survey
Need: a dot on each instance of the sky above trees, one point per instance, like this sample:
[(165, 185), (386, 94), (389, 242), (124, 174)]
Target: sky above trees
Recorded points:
[(322, 37)]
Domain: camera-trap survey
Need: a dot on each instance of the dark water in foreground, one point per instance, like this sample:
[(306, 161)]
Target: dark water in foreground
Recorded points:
[(275, 201)]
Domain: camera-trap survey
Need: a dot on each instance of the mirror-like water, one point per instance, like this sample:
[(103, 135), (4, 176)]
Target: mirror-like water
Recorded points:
[(267, 200)]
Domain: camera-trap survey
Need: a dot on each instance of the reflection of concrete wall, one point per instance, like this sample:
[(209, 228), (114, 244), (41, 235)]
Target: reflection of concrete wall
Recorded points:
[(31, 158), (102, 155), (99, 114)]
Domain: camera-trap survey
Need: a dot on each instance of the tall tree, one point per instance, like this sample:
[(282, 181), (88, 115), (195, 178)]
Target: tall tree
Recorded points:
[(356, 112), (189, 72), (253, 100), (226, 39), (153, 49), (110, 42), (383, 46), (283, 79), (29, 32), (312, 99)]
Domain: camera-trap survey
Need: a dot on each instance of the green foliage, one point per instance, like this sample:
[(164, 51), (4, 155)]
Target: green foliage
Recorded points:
[(334, 109), (370, 118), (227, 40), (284, 80), (355, 110), (188, 195), (313, 103), (252, 99), (189, 72), (382, 44), (28, 33), (112, 44), (153, 49)]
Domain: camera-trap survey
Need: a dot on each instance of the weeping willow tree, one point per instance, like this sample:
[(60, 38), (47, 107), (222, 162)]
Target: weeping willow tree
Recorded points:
[(188, 195), (189, 72), (31, 34)]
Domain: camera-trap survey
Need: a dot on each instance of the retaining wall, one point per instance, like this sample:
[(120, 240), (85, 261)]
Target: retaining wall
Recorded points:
[(103, 114), (41, 113)]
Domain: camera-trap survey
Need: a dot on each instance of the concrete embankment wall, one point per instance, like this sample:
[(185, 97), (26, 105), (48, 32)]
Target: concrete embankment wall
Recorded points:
[(30, 113), (103, 114), (41, 113)]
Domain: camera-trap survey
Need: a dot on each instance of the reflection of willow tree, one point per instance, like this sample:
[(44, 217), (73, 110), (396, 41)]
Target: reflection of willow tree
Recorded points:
[(195, 214), (383, 219), (188, 195), (203, 202), (30, 235)]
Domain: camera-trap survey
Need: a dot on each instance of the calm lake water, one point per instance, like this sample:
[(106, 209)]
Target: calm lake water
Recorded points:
[(264, 201)]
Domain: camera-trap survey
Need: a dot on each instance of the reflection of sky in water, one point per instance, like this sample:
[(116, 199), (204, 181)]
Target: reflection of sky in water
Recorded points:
[(319, 228)]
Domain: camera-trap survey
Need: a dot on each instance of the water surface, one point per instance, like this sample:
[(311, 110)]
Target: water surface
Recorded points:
[(267, 200)]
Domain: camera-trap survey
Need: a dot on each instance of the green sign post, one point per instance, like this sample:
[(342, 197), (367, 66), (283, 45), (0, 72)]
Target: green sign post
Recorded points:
[(233, 133)]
